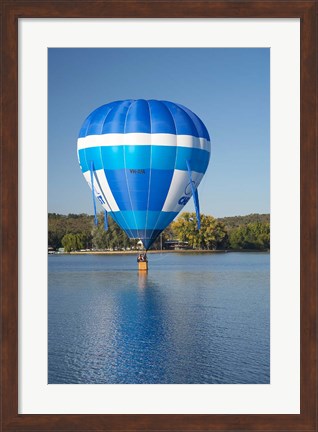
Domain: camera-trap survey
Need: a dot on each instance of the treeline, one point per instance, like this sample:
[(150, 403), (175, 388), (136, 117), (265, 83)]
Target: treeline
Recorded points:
[(231, 222), (76, 224), (248, 232), (76, 232)]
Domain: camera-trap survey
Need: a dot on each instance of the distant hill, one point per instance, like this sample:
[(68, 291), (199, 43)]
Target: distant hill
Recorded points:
[(231, 222)]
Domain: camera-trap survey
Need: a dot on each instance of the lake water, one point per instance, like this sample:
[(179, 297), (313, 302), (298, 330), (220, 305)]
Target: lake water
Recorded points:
[(197, 318)]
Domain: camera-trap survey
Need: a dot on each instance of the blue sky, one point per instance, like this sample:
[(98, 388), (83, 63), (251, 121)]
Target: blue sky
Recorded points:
[(227, 88)]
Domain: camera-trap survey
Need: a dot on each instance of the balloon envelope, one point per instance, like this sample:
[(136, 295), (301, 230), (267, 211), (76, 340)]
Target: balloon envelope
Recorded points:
[(137, 154)]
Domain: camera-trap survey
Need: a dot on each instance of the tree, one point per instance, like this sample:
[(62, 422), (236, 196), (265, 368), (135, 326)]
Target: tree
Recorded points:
[(73, 242), (254, 235), (60, 225), (211, 235)]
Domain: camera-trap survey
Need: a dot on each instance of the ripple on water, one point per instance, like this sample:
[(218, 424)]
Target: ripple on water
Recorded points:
[(191, 319)]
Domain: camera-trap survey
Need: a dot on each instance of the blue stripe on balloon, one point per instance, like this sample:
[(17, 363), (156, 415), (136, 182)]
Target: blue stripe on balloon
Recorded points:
[(149, 235), (163, 220), (199, 159), (138, 185), (138, 157), (118, 185), (143, 219), (91, 154), (127, 218), (121, 222), (163, 157), (82, 161), (159, 188), (113, 157), (137, 195)]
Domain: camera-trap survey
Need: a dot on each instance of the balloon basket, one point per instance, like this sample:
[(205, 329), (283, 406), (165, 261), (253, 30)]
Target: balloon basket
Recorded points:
[(143, 266)]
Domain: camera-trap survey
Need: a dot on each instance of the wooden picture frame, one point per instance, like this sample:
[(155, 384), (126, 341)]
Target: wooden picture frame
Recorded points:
[(13, 10)]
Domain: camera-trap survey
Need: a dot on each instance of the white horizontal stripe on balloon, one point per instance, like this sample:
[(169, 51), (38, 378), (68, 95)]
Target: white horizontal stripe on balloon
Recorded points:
[(143, 139), (180, 190), (101, 188)]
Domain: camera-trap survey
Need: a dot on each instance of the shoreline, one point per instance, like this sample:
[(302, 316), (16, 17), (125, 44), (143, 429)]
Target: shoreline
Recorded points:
[(153, 252)]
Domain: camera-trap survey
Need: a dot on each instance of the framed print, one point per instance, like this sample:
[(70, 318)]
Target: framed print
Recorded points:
[(54, 380)]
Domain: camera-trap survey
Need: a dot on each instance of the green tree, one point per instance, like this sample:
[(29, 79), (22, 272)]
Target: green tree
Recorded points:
[(59, 225), (254, 235), (212, 234), (73, 242)]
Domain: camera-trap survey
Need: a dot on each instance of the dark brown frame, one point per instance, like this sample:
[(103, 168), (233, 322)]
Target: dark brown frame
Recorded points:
[(12, 10)]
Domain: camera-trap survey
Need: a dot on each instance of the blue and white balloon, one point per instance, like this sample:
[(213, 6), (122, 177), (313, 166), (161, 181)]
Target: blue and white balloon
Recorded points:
[(144, 159)]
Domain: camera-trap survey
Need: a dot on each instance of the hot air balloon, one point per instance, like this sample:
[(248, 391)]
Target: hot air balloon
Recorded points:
[(144, 160)]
